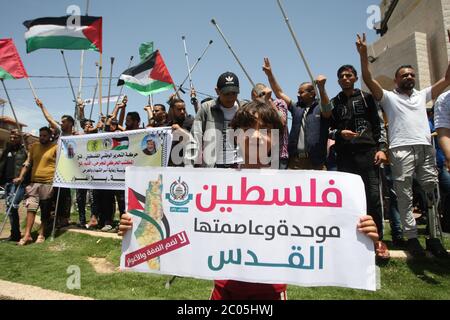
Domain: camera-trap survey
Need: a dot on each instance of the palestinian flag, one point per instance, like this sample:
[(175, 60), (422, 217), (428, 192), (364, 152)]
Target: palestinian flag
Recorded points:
[(149, 77), (120, 143), (64, 33), (11, 66)]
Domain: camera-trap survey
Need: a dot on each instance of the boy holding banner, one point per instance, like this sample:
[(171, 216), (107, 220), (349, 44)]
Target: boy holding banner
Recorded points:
[(258, 123)]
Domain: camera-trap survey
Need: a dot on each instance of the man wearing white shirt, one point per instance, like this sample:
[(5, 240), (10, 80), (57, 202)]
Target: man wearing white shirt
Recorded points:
[(411, 152)]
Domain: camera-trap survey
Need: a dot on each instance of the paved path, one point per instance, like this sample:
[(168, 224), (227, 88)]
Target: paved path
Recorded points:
[(17, 291)]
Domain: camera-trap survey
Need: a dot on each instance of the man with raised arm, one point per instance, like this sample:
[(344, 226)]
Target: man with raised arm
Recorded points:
[(410, 151), (307, 145)]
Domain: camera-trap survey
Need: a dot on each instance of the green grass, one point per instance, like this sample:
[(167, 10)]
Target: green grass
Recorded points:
[(46, 266)]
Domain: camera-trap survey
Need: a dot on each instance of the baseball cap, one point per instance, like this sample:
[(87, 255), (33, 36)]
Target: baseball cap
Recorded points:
[(228, 82)]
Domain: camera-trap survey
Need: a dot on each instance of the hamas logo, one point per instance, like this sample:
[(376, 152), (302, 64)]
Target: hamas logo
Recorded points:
[(179, 195)]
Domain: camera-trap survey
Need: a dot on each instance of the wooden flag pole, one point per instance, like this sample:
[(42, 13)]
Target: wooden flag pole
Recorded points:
[(32, 89)]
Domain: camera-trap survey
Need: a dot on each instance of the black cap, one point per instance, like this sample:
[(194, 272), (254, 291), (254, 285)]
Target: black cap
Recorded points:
[(228, 82)]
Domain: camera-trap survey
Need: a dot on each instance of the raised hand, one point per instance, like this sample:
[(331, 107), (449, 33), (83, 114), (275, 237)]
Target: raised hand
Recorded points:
[(361, 44), (267, 67), (321, 80)]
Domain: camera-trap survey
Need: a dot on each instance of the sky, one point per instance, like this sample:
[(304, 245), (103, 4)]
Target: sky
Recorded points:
[(325, 29)]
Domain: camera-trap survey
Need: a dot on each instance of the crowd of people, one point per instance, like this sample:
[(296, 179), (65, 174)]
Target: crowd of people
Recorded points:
[(383, 136)]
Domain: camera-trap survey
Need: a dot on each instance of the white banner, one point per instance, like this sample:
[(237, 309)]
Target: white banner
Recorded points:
[(112, 99), (98, 161), (264, 226)]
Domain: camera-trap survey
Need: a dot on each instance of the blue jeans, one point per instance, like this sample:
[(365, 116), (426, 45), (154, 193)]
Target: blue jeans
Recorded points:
[(13, 199)]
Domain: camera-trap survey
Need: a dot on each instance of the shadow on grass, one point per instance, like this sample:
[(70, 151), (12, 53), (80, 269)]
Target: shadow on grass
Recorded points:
[(424, 268)]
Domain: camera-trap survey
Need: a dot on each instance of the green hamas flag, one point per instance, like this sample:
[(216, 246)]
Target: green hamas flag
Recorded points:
[(145, 50)]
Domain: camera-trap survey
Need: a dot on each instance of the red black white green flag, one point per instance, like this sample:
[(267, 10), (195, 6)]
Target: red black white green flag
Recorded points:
[(68, 32), (149, 77), (11, 66)]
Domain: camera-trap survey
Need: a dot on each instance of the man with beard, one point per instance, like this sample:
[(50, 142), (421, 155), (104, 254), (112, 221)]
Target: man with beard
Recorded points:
[(157, 116), (132, 121), (411, 152), (42, 160), (63, 129), (11, 162), (181, 124)]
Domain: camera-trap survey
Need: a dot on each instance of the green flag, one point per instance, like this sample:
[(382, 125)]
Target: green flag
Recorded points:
[(145, 50)]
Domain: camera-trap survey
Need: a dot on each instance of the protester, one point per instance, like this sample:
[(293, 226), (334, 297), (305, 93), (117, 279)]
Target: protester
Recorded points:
[(181, 124), (262, 91), (11, 162), (410, 144), (261, 119), (358, 129), (65, 128), (84, 194), (133, 121), (115, 122), (157, 116), (213, 142), (308, 137), (442, 126), (42, 160)]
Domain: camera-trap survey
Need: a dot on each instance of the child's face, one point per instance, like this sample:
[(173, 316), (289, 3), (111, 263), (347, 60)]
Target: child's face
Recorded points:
[(256, 143)]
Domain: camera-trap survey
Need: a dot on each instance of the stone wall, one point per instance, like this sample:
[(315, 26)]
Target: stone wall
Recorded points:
[(416, 35)]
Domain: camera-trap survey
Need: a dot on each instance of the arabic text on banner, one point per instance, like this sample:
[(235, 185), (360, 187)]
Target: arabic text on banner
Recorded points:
[(98, 161), (265, 226)]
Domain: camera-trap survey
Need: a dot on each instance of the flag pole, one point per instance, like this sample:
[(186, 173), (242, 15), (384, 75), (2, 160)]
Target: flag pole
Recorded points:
[(150, 100), (95, 90), (80, 85), (100, 85), (71, 85), (32, 89), (13, 111), (121, 88), (300, 51), (109, 86), (180, 87), (232, 52)]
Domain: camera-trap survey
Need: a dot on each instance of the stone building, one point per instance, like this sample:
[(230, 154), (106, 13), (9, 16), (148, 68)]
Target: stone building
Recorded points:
[(412, 32)]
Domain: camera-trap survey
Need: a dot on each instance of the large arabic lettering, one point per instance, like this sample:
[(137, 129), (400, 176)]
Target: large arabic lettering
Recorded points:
[(296, 259), (260, 198), (269, 231)]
